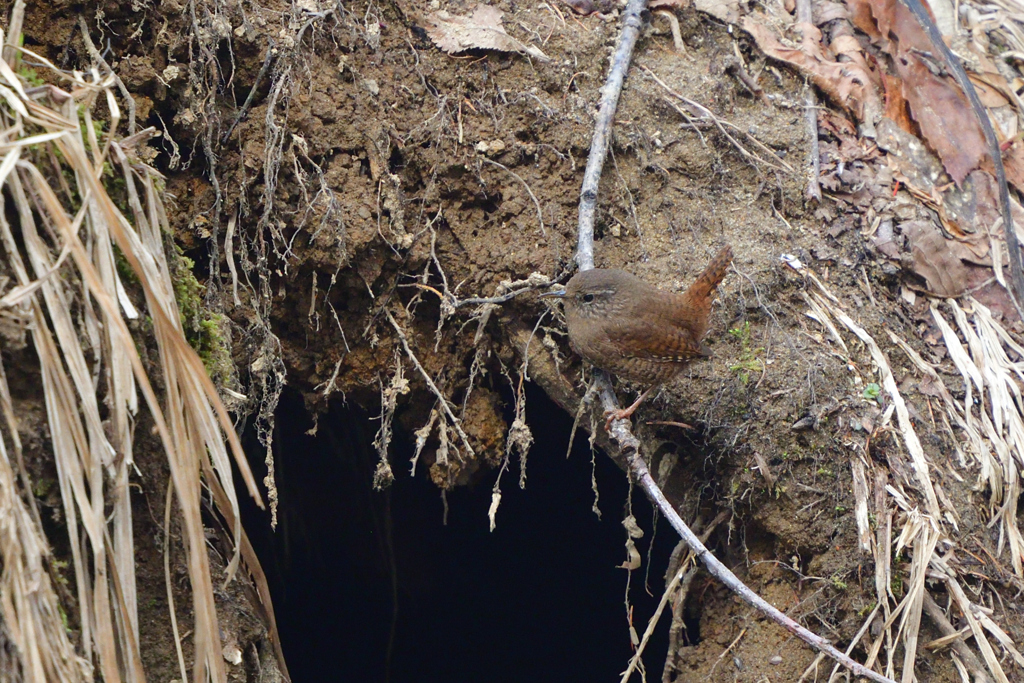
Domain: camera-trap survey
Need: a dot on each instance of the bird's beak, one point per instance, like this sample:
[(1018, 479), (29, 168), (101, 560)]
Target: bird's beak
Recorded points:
[(558, 293)]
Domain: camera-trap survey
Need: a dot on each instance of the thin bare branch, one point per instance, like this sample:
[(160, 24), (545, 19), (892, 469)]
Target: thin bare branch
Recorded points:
[(603, 131), (629, 445), (804, 14)]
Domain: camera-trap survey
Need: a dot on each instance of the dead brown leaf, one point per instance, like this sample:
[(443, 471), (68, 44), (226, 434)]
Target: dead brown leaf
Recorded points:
[(929, 386), (936, 259), (1013, 162), (986, 76), (827, 11), (993, 295), (896, 107), (905, 26), (836, 123), (848, 84), (946, 119), (943, 116), (892, 19), (861, 17), (723, 10), (481, 30), (989, 93)]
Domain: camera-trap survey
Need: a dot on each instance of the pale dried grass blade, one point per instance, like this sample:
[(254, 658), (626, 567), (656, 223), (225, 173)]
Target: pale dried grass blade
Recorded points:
[(820, 313), (28, 604), (184, 473), (910, 625), (12, 100), (167, 581), (14, 27), (860, 495), (94, 457), (13, 81), (967, 609), (22, 292), (906, 427), (1002, 423), (995, 437)]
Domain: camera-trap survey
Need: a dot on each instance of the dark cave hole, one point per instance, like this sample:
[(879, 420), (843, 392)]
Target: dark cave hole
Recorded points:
[(540, 598)]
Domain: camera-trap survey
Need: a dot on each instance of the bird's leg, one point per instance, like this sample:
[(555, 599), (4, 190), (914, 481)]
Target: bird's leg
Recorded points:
[(624, 414)]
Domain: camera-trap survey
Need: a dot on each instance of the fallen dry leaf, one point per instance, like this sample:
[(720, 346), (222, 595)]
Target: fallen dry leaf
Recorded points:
[(849, 84), (1013, 162), (987, 74), (896, 107), (946, 119), (883, 19), (937, 106), (836, 123), (988, 93), (826, 11), (850, 48), (723, 10), (861, 17), (481, 30), (936, 259), (992, 294)]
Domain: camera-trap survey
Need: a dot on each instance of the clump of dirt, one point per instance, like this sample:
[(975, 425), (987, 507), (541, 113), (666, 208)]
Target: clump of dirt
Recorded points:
[(341, 183)]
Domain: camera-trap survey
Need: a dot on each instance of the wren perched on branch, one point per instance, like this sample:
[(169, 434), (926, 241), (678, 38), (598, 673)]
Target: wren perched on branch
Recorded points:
[(634, 330)]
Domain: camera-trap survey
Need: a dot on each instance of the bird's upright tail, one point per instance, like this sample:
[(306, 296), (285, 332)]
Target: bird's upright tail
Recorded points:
[(698, 297), (712, 276)]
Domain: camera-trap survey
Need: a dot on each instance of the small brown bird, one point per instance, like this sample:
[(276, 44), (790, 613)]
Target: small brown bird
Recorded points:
[(634, 330)]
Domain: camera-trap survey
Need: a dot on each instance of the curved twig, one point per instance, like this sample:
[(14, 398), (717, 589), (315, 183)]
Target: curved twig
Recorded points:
[(603, 131), (628, 444)]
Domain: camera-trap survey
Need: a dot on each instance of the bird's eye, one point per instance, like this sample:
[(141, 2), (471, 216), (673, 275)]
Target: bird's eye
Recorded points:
[(587, 298)]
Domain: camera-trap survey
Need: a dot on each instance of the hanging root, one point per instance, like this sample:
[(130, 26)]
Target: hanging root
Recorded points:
[(399, 386)]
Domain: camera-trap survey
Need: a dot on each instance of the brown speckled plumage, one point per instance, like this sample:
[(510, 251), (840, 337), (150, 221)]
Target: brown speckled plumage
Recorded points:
[(634, 330)]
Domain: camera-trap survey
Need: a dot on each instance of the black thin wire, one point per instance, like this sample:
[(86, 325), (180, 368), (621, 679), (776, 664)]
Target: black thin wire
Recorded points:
[(1012, 245)]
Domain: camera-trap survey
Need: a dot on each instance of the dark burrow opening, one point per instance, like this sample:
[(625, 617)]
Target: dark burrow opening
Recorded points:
[(373, 586)]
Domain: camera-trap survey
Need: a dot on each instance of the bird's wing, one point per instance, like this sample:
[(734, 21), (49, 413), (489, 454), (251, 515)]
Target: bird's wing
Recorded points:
[(660, 340)]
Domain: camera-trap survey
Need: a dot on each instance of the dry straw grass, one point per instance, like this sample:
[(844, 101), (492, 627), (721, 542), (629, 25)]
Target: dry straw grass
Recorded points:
[(59, 228), (912, 515)]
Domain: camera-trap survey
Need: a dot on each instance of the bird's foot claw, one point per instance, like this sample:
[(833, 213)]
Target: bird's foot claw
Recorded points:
[(613, 415)]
